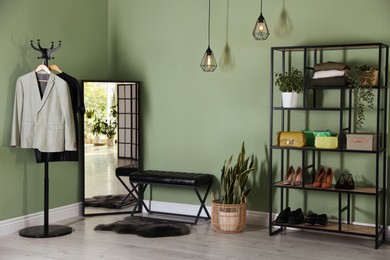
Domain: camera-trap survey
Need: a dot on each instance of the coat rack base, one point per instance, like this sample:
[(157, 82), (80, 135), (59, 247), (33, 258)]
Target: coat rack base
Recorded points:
[(42, 232)]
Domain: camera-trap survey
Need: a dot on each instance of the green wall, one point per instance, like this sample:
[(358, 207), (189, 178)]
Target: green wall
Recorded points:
[(82, 28), (192, 120)]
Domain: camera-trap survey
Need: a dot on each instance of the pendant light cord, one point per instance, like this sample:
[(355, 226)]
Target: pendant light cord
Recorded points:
[(261, 6), (209, 22)]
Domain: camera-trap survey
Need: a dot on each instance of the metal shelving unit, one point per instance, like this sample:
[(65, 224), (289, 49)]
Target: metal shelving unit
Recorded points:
[(310, 157)]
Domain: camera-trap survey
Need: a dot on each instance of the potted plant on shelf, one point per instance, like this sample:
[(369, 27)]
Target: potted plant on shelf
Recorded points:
[(360, 80), (229, 211), (290, 84)]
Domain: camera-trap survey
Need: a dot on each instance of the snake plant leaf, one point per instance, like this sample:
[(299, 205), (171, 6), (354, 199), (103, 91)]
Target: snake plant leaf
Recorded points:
[(234, 178)]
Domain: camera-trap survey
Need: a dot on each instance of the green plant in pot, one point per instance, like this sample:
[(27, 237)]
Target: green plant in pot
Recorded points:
[(97, 128), (229, 211), (109, 130), (361, 80), (290, 83), (110, 126)]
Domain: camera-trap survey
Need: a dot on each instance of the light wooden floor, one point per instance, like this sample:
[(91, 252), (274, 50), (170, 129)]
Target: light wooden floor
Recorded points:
[(201, 243)]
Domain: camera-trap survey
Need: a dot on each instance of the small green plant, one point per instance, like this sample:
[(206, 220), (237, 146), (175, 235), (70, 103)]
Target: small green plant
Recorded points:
[(290, 81), (234, 178), (90, 113), (360, 80)]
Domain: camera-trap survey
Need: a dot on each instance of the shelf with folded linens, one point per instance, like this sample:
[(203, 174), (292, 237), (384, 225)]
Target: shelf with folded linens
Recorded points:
[(328, 101)]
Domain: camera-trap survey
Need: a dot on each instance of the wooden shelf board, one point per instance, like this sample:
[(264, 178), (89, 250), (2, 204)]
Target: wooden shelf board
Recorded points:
[(334, 227), (357, 190)]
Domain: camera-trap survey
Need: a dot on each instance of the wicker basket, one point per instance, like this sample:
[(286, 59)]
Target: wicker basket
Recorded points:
[(228, 218)]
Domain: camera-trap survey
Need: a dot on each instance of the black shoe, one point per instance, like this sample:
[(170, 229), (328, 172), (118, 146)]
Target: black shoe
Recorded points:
[(296, 217), (311, 219), (283, 216), (322, 220)]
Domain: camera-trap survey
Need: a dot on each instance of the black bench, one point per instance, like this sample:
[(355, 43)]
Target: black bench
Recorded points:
[(176, 179)]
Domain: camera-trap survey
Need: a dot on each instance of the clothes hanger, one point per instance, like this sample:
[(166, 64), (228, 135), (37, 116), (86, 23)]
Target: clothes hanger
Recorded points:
[(42, 68), (55, 68)]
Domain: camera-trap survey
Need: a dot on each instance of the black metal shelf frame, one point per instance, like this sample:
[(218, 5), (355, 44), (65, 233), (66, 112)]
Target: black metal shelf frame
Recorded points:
[(345, 109)]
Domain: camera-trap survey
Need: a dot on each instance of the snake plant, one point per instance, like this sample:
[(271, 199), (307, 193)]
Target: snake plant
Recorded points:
[(234, 178)]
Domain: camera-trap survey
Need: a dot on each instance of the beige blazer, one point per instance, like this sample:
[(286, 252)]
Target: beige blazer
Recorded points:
[(43, 123)]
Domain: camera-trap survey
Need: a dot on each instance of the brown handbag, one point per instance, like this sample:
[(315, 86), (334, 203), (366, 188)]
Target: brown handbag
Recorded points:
[(291, 139)]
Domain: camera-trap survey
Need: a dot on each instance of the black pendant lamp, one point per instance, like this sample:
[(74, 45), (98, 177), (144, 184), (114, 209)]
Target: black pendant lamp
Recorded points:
[(260, 32), (208, 64)]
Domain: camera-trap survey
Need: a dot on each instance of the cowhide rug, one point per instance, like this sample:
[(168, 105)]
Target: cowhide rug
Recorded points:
[(146, 227), (109, 201)]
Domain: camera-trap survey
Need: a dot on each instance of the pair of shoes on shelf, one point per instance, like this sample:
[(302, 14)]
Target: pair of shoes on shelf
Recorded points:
[(324, 179), (296, 217), (314, 219), (346, 184), (293, 177), (290, 217)]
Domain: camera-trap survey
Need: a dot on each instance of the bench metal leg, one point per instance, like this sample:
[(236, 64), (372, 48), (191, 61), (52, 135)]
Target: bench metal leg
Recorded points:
[(130, 192), (140, 201), (202, 203), (202, 200)]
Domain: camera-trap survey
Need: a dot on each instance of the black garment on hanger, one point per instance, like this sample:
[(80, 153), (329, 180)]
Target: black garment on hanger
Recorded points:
[(78, 107)]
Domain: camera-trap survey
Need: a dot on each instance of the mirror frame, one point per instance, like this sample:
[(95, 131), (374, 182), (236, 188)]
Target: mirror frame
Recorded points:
[(82, 144)]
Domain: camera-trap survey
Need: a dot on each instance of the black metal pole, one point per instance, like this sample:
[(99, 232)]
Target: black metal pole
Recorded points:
[(46, 202)]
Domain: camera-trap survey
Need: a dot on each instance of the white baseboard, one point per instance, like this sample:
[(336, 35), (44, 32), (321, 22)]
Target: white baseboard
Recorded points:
[(74, 210), (13, 225), (253, 217)]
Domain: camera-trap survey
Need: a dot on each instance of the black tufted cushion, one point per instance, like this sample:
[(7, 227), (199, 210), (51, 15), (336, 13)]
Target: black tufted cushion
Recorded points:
[(171, 178), (126, 170)]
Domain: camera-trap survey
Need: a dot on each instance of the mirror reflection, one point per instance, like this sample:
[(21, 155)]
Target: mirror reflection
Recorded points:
[(111, 140)]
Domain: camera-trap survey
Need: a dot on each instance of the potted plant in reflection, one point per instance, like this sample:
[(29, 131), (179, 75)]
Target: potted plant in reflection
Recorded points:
[(97, 129), (229, 210), (290, 83), (110, 126)]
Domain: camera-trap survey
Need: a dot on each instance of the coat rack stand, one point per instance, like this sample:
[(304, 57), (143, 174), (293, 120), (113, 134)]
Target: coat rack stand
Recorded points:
[(46, 230)]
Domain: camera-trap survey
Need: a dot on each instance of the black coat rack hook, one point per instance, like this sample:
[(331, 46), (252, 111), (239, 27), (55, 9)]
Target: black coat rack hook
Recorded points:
[(45, 52)]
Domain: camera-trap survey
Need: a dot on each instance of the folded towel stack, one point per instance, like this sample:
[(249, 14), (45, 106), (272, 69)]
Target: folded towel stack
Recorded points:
[(330, 74)]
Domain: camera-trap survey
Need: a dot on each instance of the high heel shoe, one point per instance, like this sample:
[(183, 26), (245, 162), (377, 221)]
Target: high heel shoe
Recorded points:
[(319, 179), (340, 182), (289, 176), (297, 178), (349, 183), (327, 181)]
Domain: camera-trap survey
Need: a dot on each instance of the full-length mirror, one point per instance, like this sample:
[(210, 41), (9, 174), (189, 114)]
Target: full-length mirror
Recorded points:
[(111, 130)]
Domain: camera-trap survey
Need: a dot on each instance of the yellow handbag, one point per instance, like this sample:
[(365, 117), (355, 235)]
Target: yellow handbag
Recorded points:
[(291, 139)]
